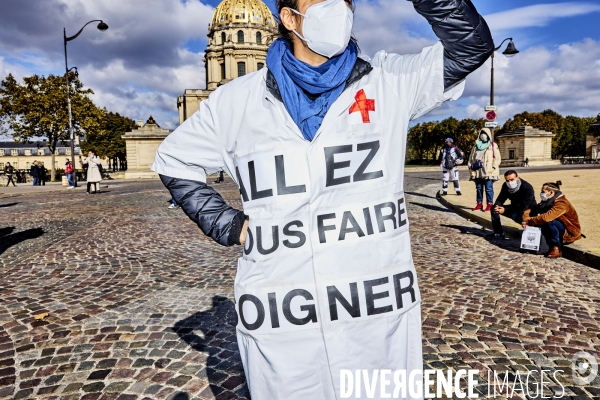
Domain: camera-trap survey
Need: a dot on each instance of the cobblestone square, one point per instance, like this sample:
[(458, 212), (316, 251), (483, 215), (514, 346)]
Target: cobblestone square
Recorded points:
[(114, 296)]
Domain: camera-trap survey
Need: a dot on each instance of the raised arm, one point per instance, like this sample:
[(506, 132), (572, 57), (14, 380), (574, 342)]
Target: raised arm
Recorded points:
[(466, 38)]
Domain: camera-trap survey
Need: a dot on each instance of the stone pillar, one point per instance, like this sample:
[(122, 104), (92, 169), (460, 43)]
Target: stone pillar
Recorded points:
[(141, 147)]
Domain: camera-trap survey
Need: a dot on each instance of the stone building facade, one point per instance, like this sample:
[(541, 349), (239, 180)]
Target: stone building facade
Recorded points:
[(592, 141), (238, 38), (141, 145), (526, 143), (22, 155)]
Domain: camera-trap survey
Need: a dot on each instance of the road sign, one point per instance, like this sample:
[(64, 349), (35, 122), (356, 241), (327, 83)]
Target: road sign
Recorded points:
[(491, 108), (490, 115), (491, 124)]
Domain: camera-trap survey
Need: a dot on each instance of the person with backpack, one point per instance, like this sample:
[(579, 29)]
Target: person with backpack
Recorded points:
[(9, 170), (450, 158), (484, 164), (69, 169)]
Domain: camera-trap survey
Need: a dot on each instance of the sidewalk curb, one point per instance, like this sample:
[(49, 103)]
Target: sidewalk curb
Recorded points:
[(59, 189), (571, 252)]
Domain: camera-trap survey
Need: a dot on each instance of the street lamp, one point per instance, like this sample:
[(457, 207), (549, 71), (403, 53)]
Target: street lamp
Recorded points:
[(101, 26), (510, 51)]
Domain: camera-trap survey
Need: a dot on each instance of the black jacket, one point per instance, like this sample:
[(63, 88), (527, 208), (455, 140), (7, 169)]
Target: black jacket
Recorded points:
[(521, 200), (467, 44), (34, 171)]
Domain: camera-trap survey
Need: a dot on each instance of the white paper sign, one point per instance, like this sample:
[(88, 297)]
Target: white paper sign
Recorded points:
[(531, 238)]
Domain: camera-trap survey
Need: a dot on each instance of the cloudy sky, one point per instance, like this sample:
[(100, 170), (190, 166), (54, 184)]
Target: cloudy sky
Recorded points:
[(154, 49)]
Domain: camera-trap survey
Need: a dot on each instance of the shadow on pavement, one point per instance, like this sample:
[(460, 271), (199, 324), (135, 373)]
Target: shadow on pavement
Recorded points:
[(431, 207), (223, 366), (419, 194), (8, 205), (9, 239), (466, 230)]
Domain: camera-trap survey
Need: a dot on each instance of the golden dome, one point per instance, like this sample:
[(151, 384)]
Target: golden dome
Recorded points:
[(243, 11)]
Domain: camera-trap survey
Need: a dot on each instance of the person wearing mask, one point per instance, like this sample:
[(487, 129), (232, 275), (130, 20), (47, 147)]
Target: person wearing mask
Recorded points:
[(557, 218), (34, 171), (93, 171), (484, 164), (450, 158), (313, 143), (69, 169), (521, 196), (9, 170)]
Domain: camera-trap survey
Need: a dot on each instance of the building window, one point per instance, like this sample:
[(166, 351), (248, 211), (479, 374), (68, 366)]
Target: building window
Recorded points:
[(223, 71), (260, 66), (27, 152), (223, 38), (1, 165), (240, 36), (241, 68), (14, 152), (56, 152), (28, 165), (1, 152), (40, 152), (258, 38), (511, 154), (15, 164), (68, 152)]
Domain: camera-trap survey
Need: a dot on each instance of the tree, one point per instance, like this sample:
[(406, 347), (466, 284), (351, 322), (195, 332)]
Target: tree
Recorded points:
[(547, 120), (37, 109), (420, 141), (107, 141), (570, 138)]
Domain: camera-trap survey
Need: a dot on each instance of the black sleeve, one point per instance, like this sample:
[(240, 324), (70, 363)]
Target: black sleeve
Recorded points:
[(503, 196), (464, 33), (207, 209), (528, 197)]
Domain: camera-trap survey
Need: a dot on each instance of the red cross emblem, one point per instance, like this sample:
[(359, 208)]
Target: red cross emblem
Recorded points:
[(363, 105)]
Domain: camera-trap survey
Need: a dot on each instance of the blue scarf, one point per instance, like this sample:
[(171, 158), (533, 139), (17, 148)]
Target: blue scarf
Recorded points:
[(295, 78)]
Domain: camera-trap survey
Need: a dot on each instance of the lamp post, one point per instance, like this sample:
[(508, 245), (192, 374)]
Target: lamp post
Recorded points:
[(101, 26), (510, 51)]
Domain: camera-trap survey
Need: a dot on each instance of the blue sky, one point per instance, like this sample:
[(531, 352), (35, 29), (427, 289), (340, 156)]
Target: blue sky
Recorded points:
[(154, 49)]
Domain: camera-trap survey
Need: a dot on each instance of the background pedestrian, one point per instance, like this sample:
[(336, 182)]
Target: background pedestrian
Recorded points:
[(93, 171), (450, 158), (484, 164)]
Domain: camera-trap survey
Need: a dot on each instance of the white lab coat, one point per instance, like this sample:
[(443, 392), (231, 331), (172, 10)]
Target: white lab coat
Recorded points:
[(326, 281)]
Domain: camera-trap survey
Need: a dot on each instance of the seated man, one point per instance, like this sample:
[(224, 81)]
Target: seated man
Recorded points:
[(557, 218), (521, 196)]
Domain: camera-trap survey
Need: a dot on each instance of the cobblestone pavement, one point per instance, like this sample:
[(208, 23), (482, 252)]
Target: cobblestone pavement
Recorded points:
[(140, 305)]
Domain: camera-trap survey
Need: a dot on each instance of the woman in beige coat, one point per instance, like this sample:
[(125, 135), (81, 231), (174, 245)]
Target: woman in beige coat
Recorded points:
[(94, 176), (484, 164)]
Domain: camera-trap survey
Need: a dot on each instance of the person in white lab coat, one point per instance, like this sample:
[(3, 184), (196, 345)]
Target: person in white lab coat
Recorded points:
[(316, 143)]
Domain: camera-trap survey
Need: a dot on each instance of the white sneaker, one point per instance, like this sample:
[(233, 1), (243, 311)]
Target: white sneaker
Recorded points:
[(71, 187), (172, 206)]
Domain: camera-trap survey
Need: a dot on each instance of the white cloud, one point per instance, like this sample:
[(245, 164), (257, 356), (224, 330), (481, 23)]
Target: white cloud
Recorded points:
[(390, 25), (537, 15), (138, 65), (565, 79)]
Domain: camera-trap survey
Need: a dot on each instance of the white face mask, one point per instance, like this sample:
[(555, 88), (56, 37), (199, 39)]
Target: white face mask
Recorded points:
[(327, 27), (483, 137), (512, 184), (543, 196)]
